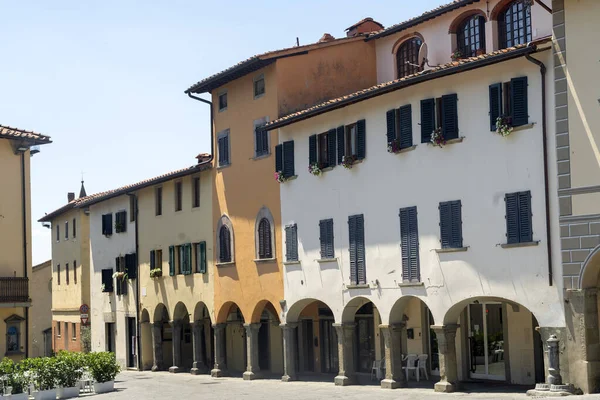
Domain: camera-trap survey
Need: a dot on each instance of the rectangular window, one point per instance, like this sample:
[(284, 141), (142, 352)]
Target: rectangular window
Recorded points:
[(451, 224), (180, 259), (322, 149), (107, 224), (409, 238), (291, 243), (58, 274), (195, 191), (439, 115), (66, 230), (178, 196), (326, 238), (67, 273), (58, 332), (158, 201), (261, 138), (259, 86), (57, 233), (73, 331), (107, 280), (356, 234), (155, 262), (518, 217), (200, 250), (509, 101), (284, 159), (74, 228), (132, 208), (66, 330), (131, 265), (222, 101), (351, 142), (121, 221), (171, 260), (121, 280), (223, 148), (75, 271)]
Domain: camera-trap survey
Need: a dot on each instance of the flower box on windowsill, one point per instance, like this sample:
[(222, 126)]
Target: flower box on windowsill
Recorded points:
[(404, 150), (451, 250), (449, 141), (225, 264), (326, 260), (265, 260), (521, 244)]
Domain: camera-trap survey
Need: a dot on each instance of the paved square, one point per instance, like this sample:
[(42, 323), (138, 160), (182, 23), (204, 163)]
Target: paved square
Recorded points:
[(162, 385)]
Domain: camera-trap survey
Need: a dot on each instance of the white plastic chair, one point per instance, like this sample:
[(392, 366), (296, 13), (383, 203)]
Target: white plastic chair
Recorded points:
[(377, 368), (411, 364), (422, 366)]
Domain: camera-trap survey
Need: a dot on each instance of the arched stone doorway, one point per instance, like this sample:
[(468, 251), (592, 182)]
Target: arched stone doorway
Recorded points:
[(310, 342), (202, 335), (146, 340), (264, 342), (489, 339), (161, 338), (230, 341), (181, 339)]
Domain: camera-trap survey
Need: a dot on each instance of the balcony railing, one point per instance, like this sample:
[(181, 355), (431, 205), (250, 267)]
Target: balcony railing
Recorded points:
[(14, 290)]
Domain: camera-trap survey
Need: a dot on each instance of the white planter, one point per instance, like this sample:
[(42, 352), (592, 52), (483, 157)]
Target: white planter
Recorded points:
[(20, 396), (45, 395), (67, 393), (104, 387)]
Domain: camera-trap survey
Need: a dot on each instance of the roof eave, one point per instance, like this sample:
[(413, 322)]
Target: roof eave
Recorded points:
[(227, 76)]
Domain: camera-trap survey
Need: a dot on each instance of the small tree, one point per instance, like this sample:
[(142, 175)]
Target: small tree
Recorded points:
[(103, 366), (86, 339)]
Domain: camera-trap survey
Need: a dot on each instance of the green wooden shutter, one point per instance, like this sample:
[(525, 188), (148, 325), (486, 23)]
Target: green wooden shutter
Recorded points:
[(323, 238), (352, 249), (152, 259), (172, 260), (410, 244), (226, 149), (279, 158), (390, 118), (519, 107), (404, 244), (405, 116), (312, 149), (495, 104), (221, 151), (331, 145), (202, 246), (427, 119), (294, 243), (330, 244), (512, 217), (361, 139), (360, 250), (525, 229), (341, 143), (450, 116), (456, 231), (446, 224), (288, 159)]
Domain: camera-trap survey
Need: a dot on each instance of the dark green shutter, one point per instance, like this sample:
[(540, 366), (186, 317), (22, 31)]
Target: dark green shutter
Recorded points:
[(519, 107), (512, 217), (220, 150), (279, 158), (405, 116), (288, 159), (456, 208), (427, 119), (330, 245), (450, 116), (495, 104), (341, 143), (361, 139), (356, 230), (172, 260), (326, 239), (409, 237), (226, 148), (118, 281), (525, 231), (446, 224), (131, 265), (323, 238), (352, 249), (202, 246), (291, 243), (152, 259), (390, 118), (312, 149), (331, 145)]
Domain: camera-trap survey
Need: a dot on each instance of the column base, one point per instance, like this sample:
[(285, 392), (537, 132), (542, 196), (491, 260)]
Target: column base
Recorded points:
[(156, 368), (445, 387), (216, 373), (392, 384), (342, 380), (174, 369), (249, 376), (287, 378), (198, 368)]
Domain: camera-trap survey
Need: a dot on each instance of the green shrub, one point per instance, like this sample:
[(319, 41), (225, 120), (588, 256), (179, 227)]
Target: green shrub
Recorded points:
[(43, 371), (103, 366), (12, 375), (69, 368)]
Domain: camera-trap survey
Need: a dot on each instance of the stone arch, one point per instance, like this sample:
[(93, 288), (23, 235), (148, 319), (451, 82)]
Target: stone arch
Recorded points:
[(453, 313), (404, 38), (224, 311), (145, 316), (201, 312), (295, 310), (264, 214), (590, 272), (161, 313), (225, 221), (463, 16), (500, 6), (353, 306), (260, 307), (398, 311), (180, 313)]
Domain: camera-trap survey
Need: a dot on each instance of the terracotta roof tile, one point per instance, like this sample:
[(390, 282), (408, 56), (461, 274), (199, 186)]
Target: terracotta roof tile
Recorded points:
[(15, 133)]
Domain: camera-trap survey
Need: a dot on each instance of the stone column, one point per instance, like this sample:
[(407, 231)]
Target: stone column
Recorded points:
[(176, 325), (289, 351), (345, 336), (157, 351), (392, 338), (198, 367), (219, 367), (446, 336), (252, 369)]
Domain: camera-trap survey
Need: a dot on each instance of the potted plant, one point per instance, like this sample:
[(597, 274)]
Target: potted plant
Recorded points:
[(504, 126), (394, 146), (104, 368), (315, 169), (156, 273), (70, 370), (456, 55), (348, 161), (119, 226), (279, 177), (437, 138), (480, 52), (43, 374), (15, 381)]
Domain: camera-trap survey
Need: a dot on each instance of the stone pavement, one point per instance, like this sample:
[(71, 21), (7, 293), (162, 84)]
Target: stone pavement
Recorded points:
[(162, 385)]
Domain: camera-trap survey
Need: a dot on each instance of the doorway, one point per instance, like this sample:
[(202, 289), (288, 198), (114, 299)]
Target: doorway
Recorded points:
[(486, 341), (308, 353), (365, 338), (264, 353), (131, 342), (109, 336), (329, 348)]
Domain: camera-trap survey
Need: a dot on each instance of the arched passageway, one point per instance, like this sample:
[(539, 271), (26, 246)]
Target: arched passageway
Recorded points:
[(202, 340), (264, 343), (230, 352), (146, 340), (161, 338), (181, 339)]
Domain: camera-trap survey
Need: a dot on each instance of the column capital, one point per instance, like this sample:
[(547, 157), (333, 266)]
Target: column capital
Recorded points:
[(219, 327), (176, 323), (198, 324), (252, 328), (448, 329), (393, 327), (344, 325), (288, 325)]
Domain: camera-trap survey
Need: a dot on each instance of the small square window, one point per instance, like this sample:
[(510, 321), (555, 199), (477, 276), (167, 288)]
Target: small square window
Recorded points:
[(223, 101), (259, 86)]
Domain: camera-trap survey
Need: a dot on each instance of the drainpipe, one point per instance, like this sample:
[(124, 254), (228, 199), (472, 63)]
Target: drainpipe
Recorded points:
[(545, 151), (212, 136), (25, 258), (138, 335)]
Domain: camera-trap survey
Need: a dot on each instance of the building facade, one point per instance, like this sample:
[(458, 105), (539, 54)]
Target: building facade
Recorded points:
[(40, 313), (16, 149)]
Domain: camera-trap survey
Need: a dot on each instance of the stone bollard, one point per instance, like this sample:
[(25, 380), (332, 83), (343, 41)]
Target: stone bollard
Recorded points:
[(553, 377)]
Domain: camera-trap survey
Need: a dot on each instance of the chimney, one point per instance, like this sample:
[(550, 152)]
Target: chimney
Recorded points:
[(202, 157), (326, 38), (70, 196), (366, 25)]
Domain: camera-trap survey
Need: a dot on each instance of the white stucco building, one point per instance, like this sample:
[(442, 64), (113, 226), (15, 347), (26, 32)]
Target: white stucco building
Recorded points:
[(443, 252)]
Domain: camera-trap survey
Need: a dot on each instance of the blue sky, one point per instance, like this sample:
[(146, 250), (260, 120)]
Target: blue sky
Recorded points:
[(105, 79)]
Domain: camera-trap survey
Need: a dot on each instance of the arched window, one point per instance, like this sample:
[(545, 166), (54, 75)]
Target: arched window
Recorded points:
[(470, 36), (407, 57), (264, 239), (514, 24), (224, 244)]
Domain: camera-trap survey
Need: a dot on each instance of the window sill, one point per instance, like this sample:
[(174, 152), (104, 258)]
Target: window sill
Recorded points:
[(291, 178), (358, 286), (405, 150), (450, 141), (451, 250), (264, 260), (523, 127), (326, 169), (225, 264), (256, 158), (224, 166), (291, 262), (326, 260), (411, 284), (522, 244), (223, 109)]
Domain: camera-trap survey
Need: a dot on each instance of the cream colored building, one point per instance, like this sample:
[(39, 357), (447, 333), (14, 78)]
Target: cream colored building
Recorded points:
[(40, 314), (16, 149), (71, 271)]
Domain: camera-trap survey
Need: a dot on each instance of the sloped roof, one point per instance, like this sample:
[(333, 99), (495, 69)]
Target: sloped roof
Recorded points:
[(426, 16), (30, 136), (383, 88)]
